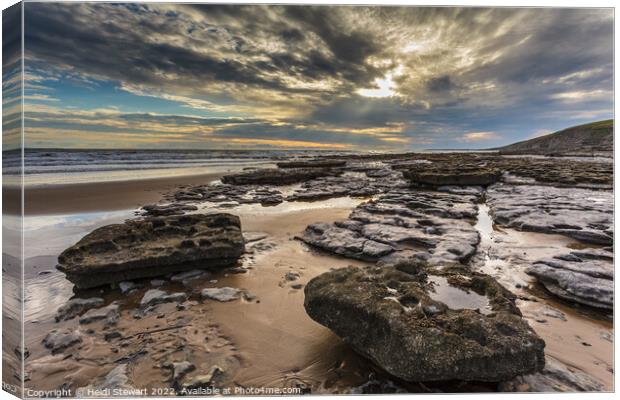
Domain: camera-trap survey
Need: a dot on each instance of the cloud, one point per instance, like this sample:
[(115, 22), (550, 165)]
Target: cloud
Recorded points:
[(478, 136), (327, 73)]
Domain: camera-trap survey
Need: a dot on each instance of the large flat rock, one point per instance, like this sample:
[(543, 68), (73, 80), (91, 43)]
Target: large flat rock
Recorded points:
[(151, 247), (577, 278), (473, 176), (433, 226), (277, 176), (424, 324), (583, 214)]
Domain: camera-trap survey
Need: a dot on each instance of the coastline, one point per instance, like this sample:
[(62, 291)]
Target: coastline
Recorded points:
[(272, 305), (98, 196)]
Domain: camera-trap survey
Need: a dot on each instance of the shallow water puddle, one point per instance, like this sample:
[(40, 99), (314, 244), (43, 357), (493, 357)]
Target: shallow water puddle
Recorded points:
[(457, 298), (575, 335)]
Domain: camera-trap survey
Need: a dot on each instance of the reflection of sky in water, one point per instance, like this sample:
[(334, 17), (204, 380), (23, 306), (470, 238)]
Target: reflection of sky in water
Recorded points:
[(49, 235), (284, 207), (122, 174)]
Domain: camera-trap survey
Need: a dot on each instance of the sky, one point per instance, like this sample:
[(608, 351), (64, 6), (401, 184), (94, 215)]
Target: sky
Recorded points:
[(335, 78)]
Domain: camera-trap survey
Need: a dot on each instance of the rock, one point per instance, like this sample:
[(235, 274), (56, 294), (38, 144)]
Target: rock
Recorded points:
[(344, 242), (152, 247), (75, 307), (424, 324), (180, 369), (273, 176), (583, 214), (155, 296), (378, 387), (109, 313), (555, 377), (116, 381), (553, 313), (203, 381), (348, 184), (158, 282), (109, 336), (458, 176), (59, 340), (127, 286), (586, 281), (250, 237), (22, 353), (402, 224), (220, 294), (291, 276), (574, 286), (188, 275), (608, 336), (311, 164), (155, 210)]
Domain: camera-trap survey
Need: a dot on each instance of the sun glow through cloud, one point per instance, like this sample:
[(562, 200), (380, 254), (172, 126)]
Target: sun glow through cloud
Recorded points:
[(385, 87), (367, 78)]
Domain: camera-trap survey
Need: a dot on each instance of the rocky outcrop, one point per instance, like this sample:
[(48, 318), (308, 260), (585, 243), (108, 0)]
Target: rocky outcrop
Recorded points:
[(75, 307), (312, 164), (582, 139), (222, 294), (432, 226), (423, 324), (348, 184), (59, 340), (153, 247), (110, 314), (472, 176), (156, 296), (116, 382), (583, 214), (275, 176), (555, 377), (576, 278), (158, 210)]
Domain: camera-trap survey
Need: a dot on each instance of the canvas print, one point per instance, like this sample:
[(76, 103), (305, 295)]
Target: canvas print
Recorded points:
[(209, 199)]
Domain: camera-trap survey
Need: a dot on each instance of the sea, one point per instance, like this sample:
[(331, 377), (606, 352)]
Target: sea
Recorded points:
[(44, 167), (61, 166)]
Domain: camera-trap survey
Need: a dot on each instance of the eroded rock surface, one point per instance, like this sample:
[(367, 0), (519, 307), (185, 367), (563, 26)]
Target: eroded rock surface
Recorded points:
[(116, 381), (75, 307), (459, 176), (59, 340), (153, 247), (583, 214), (276, 176), (156, 296), (348, 184), (576, 278), (220, 294), (432, 226), (110, 314), (423, 324), (555, 377)]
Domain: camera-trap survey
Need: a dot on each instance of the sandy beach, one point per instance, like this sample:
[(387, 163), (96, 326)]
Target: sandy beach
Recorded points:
[(265, 338), (98, 196)]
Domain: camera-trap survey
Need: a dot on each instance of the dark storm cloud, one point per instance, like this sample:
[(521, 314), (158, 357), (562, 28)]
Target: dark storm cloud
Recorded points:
[(429, 70), (116, 42), (440, 84)]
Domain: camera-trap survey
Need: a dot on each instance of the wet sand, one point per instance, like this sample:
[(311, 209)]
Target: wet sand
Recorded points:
[(266, 339), (97, 196)]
